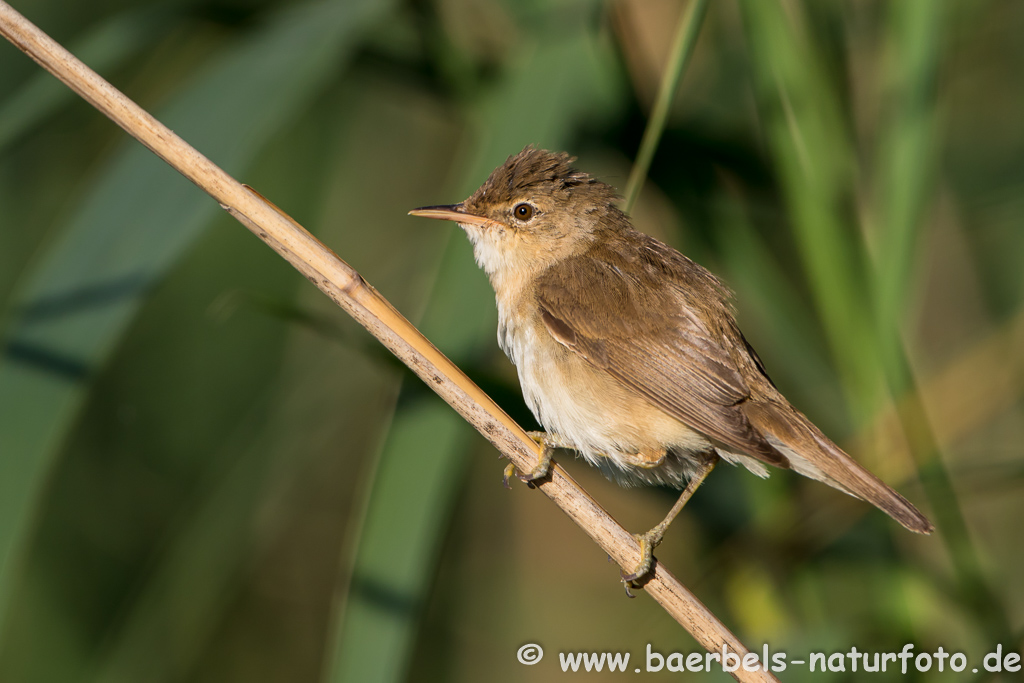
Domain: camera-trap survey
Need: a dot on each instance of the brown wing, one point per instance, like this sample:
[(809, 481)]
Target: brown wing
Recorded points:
[(666, 332), (654, 332)]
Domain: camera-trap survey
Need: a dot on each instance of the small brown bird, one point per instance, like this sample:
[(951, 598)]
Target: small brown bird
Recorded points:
[(627, 351)]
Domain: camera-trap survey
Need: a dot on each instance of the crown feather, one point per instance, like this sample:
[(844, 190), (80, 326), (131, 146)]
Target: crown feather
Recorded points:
[(538, 171)]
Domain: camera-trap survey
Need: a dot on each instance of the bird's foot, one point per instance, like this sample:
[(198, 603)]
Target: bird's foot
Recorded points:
[(648, 542), (541, 469)]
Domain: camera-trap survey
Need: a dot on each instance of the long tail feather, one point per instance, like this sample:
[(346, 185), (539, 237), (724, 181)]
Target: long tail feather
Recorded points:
[(813, 454)]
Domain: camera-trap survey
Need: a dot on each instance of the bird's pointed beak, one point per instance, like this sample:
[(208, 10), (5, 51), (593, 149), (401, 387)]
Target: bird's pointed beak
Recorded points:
[(452, 212)]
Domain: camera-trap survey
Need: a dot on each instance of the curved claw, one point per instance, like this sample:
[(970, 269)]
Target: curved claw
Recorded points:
[(540, 471), (510, 469)]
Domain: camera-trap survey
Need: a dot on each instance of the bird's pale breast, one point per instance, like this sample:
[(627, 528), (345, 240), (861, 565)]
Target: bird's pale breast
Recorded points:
[(606, 422)]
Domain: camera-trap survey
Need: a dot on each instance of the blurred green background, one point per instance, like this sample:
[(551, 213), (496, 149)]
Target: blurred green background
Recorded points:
[(209, 473)]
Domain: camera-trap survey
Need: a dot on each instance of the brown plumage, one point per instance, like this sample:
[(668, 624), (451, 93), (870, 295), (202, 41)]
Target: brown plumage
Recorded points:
[(628, 351)]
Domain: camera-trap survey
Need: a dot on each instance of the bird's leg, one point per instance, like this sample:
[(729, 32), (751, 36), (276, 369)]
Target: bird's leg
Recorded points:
[(651, 540), (550, 442)]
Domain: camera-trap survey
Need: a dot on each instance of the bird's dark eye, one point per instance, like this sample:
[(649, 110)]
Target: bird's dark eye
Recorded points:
[(523, 212)]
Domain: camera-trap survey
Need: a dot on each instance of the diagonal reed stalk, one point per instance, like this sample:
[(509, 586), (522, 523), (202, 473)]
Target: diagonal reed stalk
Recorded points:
[(360, 300), (679, 57)]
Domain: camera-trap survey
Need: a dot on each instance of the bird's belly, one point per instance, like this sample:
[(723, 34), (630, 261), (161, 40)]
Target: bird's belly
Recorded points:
[(599, 416)]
